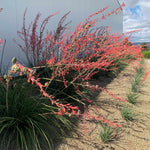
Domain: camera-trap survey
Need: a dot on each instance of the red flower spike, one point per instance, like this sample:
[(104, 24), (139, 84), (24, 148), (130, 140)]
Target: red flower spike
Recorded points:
[(28, 80), (123, 4)]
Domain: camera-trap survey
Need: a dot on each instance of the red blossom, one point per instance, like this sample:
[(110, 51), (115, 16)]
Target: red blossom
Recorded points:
[(123, 4)]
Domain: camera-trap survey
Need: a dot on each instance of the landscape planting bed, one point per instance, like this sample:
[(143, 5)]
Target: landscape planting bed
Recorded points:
[(72, 85), (134, 135)]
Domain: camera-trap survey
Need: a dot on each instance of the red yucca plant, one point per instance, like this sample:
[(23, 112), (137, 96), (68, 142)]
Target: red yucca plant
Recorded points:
[(84, 51), (35, 47), (1, 42), (77, 55)]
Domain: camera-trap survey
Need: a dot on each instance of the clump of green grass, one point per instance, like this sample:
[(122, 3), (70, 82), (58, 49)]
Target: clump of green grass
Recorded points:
[(128, 113), (23, 123), (140, 70), (108, 133), (132, 98), (136, 83)]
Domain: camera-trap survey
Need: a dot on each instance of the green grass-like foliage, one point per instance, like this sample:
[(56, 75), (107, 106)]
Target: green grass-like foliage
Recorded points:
[(132, 98), (128, 113), (107, 134), (146, 54), (136, 83), (140, 70), (24, 126)]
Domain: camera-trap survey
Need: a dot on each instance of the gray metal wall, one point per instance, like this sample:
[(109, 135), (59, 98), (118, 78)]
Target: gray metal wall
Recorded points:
[(12, 16)]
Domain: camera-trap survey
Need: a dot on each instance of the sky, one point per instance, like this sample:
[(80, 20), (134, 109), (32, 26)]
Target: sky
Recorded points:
[(136, 15)]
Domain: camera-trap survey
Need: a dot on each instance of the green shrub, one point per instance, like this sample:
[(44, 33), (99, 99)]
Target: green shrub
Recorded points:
[(146, 54), (24, 125), (144, 46)]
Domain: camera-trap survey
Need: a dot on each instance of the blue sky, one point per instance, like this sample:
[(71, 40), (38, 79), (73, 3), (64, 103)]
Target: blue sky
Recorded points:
[(136, 15)]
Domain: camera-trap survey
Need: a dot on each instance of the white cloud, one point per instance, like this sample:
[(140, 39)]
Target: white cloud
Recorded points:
[(137, 16), (144, 3)]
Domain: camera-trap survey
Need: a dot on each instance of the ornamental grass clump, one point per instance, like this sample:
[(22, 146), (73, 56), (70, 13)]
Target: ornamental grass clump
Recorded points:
[(24, 124), (128, 113), (108, 134), (137, 81), (132, 97)]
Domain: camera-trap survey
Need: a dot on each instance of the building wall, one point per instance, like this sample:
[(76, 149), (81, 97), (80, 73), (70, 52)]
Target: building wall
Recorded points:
[(11, 18)]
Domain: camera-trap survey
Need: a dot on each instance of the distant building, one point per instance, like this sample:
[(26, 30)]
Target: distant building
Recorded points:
[(11, 18)]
